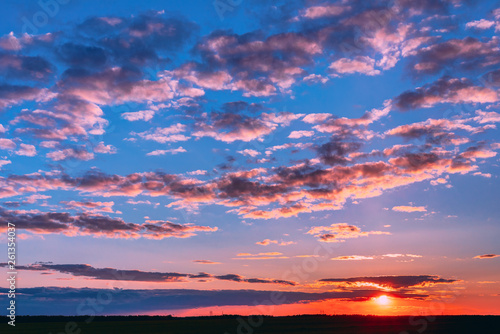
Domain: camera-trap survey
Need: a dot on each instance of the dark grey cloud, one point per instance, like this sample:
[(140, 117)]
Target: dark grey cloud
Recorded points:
[(19, 67), (138, 39), (491, 78), (96, 225), (336, 150), (112, 274), (487, 256), (69, 301), (82, 55), (396, 282)]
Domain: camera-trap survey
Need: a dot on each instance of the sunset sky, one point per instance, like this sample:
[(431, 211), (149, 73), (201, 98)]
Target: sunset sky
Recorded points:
[(277, 157)]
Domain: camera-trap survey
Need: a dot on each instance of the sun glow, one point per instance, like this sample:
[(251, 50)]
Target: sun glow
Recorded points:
[(382, 300)]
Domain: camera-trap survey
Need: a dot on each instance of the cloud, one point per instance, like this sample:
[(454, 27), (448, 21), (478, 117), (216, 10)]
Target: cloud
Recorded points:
[(315, 78), (238, 278), (360, 64), (486, 175), (90, 206), (170, 134), (205, 79), (480, 24), (261, 256), (65, 301), (19, 67), (401, 255), (4, 162), (230, 127), (79, 55), (352, 258), (300, 134), (336, 150), (172, 151), (445, 90), (267, 242), (325, 10), (78, 153), (116, 85), (7, 144), (373, 257), (487, 256), (142, 115), (486, 117), (150, 37), (197, 172), (14, 94), (249, 152), (130, 201), (339, 232), (112, 274), (147, 34), (11, 42), (460, 54), (478, 152), (389, 282), (97, 225), (282, 191), (67, 117), (344, 129), (205, 262), (408, 208), (439, 131), (253, 63), (104, 149)]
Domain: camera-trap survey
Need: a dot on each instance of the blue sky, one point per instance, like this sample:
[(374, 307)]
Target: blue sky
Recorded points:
[(169, 140)]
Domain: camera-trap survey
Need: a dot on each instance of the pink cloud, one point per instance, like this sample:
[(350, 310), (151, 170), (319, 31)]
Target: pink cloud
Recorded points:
[(104, 149), (4, 162), (90, 206), (326, 10), (408, 208), (68, 153), (340, 232), (360, 64), (249, 152), (300, 134), (143, 115), (480, 24), (171, 134), (7, 144), (267, 242), (26, 150), (445, 90), (163, 152)]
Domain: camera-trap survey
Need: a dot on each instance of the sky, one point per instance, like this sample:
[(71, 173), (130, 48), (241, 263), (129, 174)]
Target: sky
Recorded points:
[(251, 157)]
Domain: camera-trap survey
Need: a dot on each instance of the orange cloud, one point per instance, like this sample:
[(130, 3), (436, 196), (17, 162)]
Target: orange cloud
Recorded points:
[(487, 256), (339, 232)]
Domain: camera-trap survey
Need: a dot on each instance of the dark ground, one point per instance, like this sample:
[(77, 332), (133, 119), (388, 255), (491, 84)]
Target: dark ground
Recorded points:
[(319, 324)]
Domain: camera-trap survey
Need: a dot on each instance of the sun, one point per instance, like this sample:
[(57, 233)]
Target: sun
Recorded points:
[(382, 300)]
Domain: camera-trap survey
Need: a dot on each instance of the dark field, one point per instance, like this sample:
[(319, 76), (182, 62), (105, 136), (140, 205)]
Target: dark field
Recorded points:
[(257, 325)]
